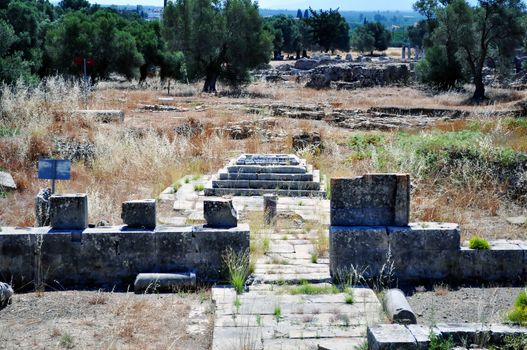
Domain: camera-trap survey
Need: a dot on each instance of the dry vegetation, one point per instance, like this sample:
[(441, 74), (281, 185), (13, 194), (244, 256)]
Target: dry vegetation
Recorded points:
[(146, 154), (97, 320)]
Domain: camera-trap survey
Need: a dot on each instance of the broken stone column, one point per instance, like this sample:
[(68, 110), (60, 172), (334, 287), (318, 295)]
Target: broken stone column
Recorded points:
[(6, 292), (139, 213), (69, 211), (42, 207), (403, 56), (220, 213), (169, 282), (371, 200), (397, 308), (270, 208)]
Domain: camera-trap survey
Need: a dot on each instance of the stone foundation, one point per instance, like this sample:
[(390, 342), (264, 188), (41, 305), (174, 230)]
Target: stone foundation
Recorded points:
[(113, 256)]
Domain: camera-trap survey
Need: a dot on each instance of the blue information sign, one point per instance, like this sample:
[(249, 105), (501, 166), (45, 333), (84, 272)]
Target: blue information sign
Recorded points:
[(54, 169)]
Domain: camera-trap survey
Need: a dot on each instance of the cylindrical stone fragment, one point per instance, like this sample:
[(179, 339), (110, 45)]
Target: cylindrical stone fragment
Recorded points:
[(397, 308), (170, 282), (270, 208)]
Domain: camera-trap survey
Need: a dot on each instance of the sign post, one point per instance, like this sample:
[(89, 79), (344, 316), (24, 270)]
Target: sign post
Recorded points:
[(54, 169)]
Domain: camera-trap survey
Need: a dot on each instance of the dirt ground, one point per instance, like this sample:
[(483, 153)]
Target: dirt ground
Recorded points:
[(464, 305), (99, 320)]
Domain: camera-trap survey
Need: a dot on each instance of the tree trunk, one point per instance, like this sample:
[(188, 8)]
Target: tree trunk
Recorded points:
[(297, 54), (210, 83), (479, 93)]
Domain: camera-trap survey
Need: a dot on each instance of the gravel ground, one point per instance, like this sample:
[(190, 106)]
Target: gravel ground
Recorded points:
[(96, 320), (464, 305)]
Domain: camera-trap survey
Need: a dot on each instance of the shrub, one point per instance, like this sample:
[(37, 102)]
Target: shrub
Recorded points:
[(518, 314), (199, 188), (478, 243)]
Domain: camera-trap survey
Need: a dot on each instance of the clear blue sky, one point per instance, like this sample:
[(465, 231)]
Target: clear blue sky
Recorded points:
[(354, 5)]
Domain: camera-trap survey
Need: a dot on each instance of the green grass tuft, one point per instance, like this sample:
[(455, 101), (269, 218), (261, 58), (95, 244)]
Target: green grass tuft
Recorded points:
[(478, 243), (238, 267), (199, 187), (518, 314), (310, 289)]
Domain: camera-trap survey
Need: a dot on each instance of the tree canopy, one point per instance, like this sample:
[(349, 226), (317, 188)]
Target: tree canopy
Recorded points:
[(329, 29), (371, 36), (219, 39)]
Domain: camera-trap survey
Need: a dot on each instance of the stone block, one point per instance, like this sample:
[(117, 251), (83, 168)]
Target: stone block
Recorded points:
[(425, 236), (498, 264), (422, 335), (68, 211), (6, 181), (363, 248), (220, 213), (420, 266), (461, 333), (390, 337), (139, 213), (371, 200), (270, 208), (42, 207)]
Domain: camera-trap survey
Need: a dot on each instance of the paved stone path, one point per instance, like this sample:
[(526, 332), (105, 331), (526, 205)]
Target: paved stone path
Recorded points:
[(270, 315)]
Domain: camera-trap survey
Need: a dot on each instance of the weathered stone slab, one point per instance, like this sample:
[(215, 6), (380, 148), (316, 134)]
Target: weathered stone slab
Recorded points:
[(224, 175), (139, 213), (6, 181), (268, 159), (267, 184), (363, 248), (220, 213), (425, 236), (371, 200), (390, 337), (499, 264), (68, 211), (269, 169), (422, 334)]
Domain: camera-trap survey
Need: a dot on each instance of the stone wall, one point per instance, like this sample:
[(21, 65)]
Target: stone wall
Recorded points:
[(366, 238), (110, 257)]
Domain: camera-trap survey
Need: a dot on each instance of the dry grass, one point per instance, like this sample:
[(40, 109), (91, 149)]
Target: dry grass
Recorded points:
[(123, 321)]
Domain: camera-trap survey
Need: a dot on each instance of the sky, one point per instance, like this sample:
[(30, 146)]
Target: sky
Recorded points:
[(352, 5)]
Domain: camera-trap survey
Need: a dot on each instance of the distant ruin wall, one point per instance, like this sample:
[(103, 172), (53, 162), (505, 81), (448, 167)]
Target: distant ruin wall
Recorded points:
[(109, 257)]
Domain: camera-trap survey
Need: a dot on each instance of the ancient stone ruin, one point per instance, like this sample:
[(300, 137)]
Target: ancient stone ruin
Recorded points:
[(69, 254), (258, 174), (370, 232)]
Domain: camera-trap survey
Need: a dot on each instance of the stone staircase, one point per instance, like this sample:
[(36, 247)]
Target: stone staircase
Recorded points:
[(255, 175)]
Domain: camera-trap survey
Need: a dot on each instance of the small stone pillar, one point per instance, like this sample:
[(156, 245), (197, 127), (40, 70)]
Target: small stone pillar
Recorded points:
[(69, 211), (42, 207), (139, 213), (220, 213), (403, 55), (270, 208)]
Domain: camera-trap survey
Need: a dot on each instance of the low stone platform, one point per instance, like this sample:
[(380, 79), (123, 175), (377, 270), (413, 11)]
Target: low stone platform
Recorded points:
[(113, 256), (255, 175), (424, 252), (415, 337)]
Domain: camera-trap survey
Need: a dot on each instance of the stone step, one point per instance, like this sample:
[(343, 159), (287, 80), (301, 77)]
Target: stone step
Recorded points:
[(260, 192), (273, 169), (267, 184), (224, 175)]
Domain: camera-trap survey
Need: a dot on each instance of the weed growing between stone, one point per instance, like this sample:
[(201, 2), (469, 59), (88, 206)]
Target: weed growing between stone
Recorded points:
[(478, 243), (440, 344), (518, 314), (237, 264)]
